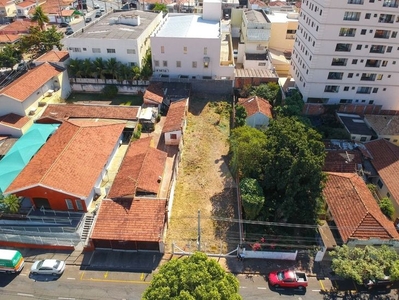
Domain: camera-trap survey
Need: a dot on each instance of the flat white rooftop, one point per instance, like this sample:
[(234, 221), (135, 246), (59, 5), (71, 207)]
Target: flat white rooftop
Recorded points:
[(189, 26)]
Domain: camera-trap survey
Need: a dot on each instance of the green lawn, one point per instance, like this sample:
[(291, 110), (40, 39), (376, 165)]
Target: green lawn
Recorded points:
[(135, 100)]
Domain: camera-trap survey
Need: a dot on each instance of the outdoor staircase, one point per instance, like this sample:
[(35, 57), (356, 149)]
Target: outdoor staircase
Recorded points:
[(89, 218)]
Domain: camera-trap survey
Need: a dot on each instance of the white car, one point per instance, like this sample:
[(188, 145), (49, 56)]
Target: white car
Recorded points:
[(235, 53), (96, 6), (48, 266), (102, 9)]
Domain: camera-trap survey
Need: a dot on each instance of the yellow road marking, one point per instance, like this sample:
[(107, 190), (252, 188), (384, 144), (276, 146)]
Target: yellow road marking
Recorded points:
[(110, 280), (106, 274), (322, 285), (142, 277)]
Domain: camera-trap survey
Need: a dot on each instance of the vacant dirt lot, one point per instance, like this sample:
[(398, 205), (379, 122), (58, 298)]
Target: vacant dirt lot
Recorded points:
[(204, 182)]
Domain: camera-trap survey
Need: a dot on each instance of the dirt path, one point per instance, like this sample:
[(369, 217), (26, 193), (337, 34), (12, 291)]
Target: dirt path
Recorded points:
[(204, 182)]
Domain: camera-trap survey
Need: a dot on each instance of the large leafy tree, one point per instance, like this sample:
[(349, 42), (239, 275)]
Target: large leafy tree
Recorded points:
[(9, 56), (252, 197), (247, 147), (292, 106), (270, 91), (192, 278), (40, 17), (240, 116), (292, 176), (38, 42), (365, 263)]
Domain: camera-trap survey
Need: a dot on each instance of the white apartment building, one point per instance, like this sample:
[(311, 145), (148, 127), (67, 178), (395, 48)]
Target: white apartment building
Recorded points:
[(124, 35), (347, 51), (193, 46)]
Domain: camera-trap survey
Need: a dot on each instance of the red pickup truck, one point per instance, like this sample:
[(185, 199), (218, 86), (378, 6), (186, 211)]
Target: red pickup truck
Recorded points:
[(288, 278)]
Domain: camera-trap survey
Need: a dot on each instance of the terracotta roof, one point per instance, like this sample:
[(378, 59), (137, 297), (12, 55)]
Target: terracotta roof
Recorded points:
[(67, 111), (30, 82), (54, 56), (53, 6), (383, 124), (6, 2), (256, 104), (277, 3), (9, 38), (14, 120), (385, 159), (154, 93), (6, 143), (72, 159), (176, 115), (130, 220), (258, 3), (342, 161), (26, 3), (140, 171), (354, 209), (67, 12), (18, 26)]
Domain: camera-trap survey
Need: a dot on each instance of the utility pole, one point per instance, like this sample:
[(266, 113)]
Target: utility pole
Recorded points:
[(199, 231)]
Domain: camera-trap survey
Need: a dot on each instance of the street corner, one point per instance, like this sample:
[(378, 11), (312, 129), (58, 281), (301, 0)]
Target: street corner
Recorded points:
[(325, 285)]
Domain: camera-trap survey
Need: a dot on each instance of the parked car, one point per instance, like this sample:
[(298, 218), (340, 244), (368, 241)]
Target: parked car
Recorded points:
[(372, 284), (235, 53), (102, 9), (98, 14), (288, 279), (64, 24), (88, 20), (48, 266), (96, 6), (69, 31)]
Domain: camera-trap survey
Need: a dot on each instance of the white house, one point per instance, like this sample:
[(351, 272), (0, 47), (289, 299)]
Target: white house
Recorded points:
[(346, 52), (259, 111), (193, 46), (24, 7), (175, 122), (23, 95), (121, 35)]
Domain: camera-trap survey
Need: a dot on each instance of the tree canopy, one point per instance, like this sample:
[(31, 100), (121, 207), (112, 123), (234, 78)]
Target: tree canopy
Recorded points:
[(247, 146), (40, 41), (240, 116), (9, 56), (9, 204), (366, 263), (40, 17), (387, 208), (292, 176), (252, 197), (292, 106), (192, 278), (270, 91)]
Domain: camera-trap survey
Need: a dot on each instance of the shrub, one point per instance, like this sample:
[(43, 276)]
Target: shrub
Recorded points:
[(387, 208)]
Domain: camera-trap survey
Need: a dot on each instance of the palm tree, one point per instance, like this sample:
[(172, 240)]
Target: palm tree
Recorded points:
[(87, 68), (74, 67), (112, 67), (98, 68), (125, 73), (11, 204), (40, 17)]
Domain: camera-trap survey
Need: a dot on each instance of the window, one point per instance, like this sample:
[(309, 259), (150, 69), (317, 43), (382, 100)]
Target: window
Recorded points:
[(384, 63), (363, 90), (178, 64), (355, 1), (373, 63), (375, 90), (79, 205), (76, 50), (173, 136), (69, 203), (110, 50), (96, 50), (363, 32), (347, 32), (368, 16), (350, 75), (382, 34), (156, 63), (165, 63), (379, 76), (389, 49), (84, 49), (346, 88), (185, 50), (131, 51), (380, 184), (162, 49), (358, 47), (351, 16), (331, 89), (354, 61), (384, 18), (133, 64), (377, 49), (394, 34), (343, 47), (194, 64), (339, 61), (342, 101), (371, 102), (335, 75), (363, 139), (368, 77)]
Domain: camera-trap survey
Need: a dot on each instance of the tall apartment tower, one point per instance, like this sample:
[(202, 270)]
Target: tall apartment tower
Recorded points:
[(347, 51)]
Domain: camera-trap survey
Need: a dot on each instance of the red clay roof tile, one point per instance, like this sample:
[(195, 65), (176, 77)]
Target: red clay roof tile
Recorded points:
[(53, 56), (385, 159), (342, 161), (354, 209), (72, 159), (30, 82), (256, 104), (154, 93), (141, 219), (140, 171), (176, 116), (14, 120)]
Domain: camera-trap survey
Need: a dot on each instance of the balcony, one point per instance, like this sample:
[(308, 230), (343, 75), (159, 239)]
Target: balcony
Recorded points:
[(363, 90), (290, 37), (339, 62), (331, 89), (368, 77), (343, 47), (355, 2), (386, 18), (373, 63), (335, 75), (377, 49)]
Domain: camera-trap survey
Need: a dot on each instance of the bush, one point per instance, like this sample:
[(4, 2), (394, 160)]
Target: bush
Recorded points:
[(387, 208), (137, 133), (110, 91)]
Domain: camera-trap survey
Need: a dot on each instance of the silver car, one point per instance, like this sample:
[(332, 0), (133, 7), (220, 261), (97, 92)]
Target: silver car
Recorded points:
[(48, 266)]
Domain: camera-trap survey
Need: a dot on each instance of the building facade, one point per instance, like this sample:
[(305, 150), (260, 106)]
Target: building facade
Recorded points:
[(345, 52)]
